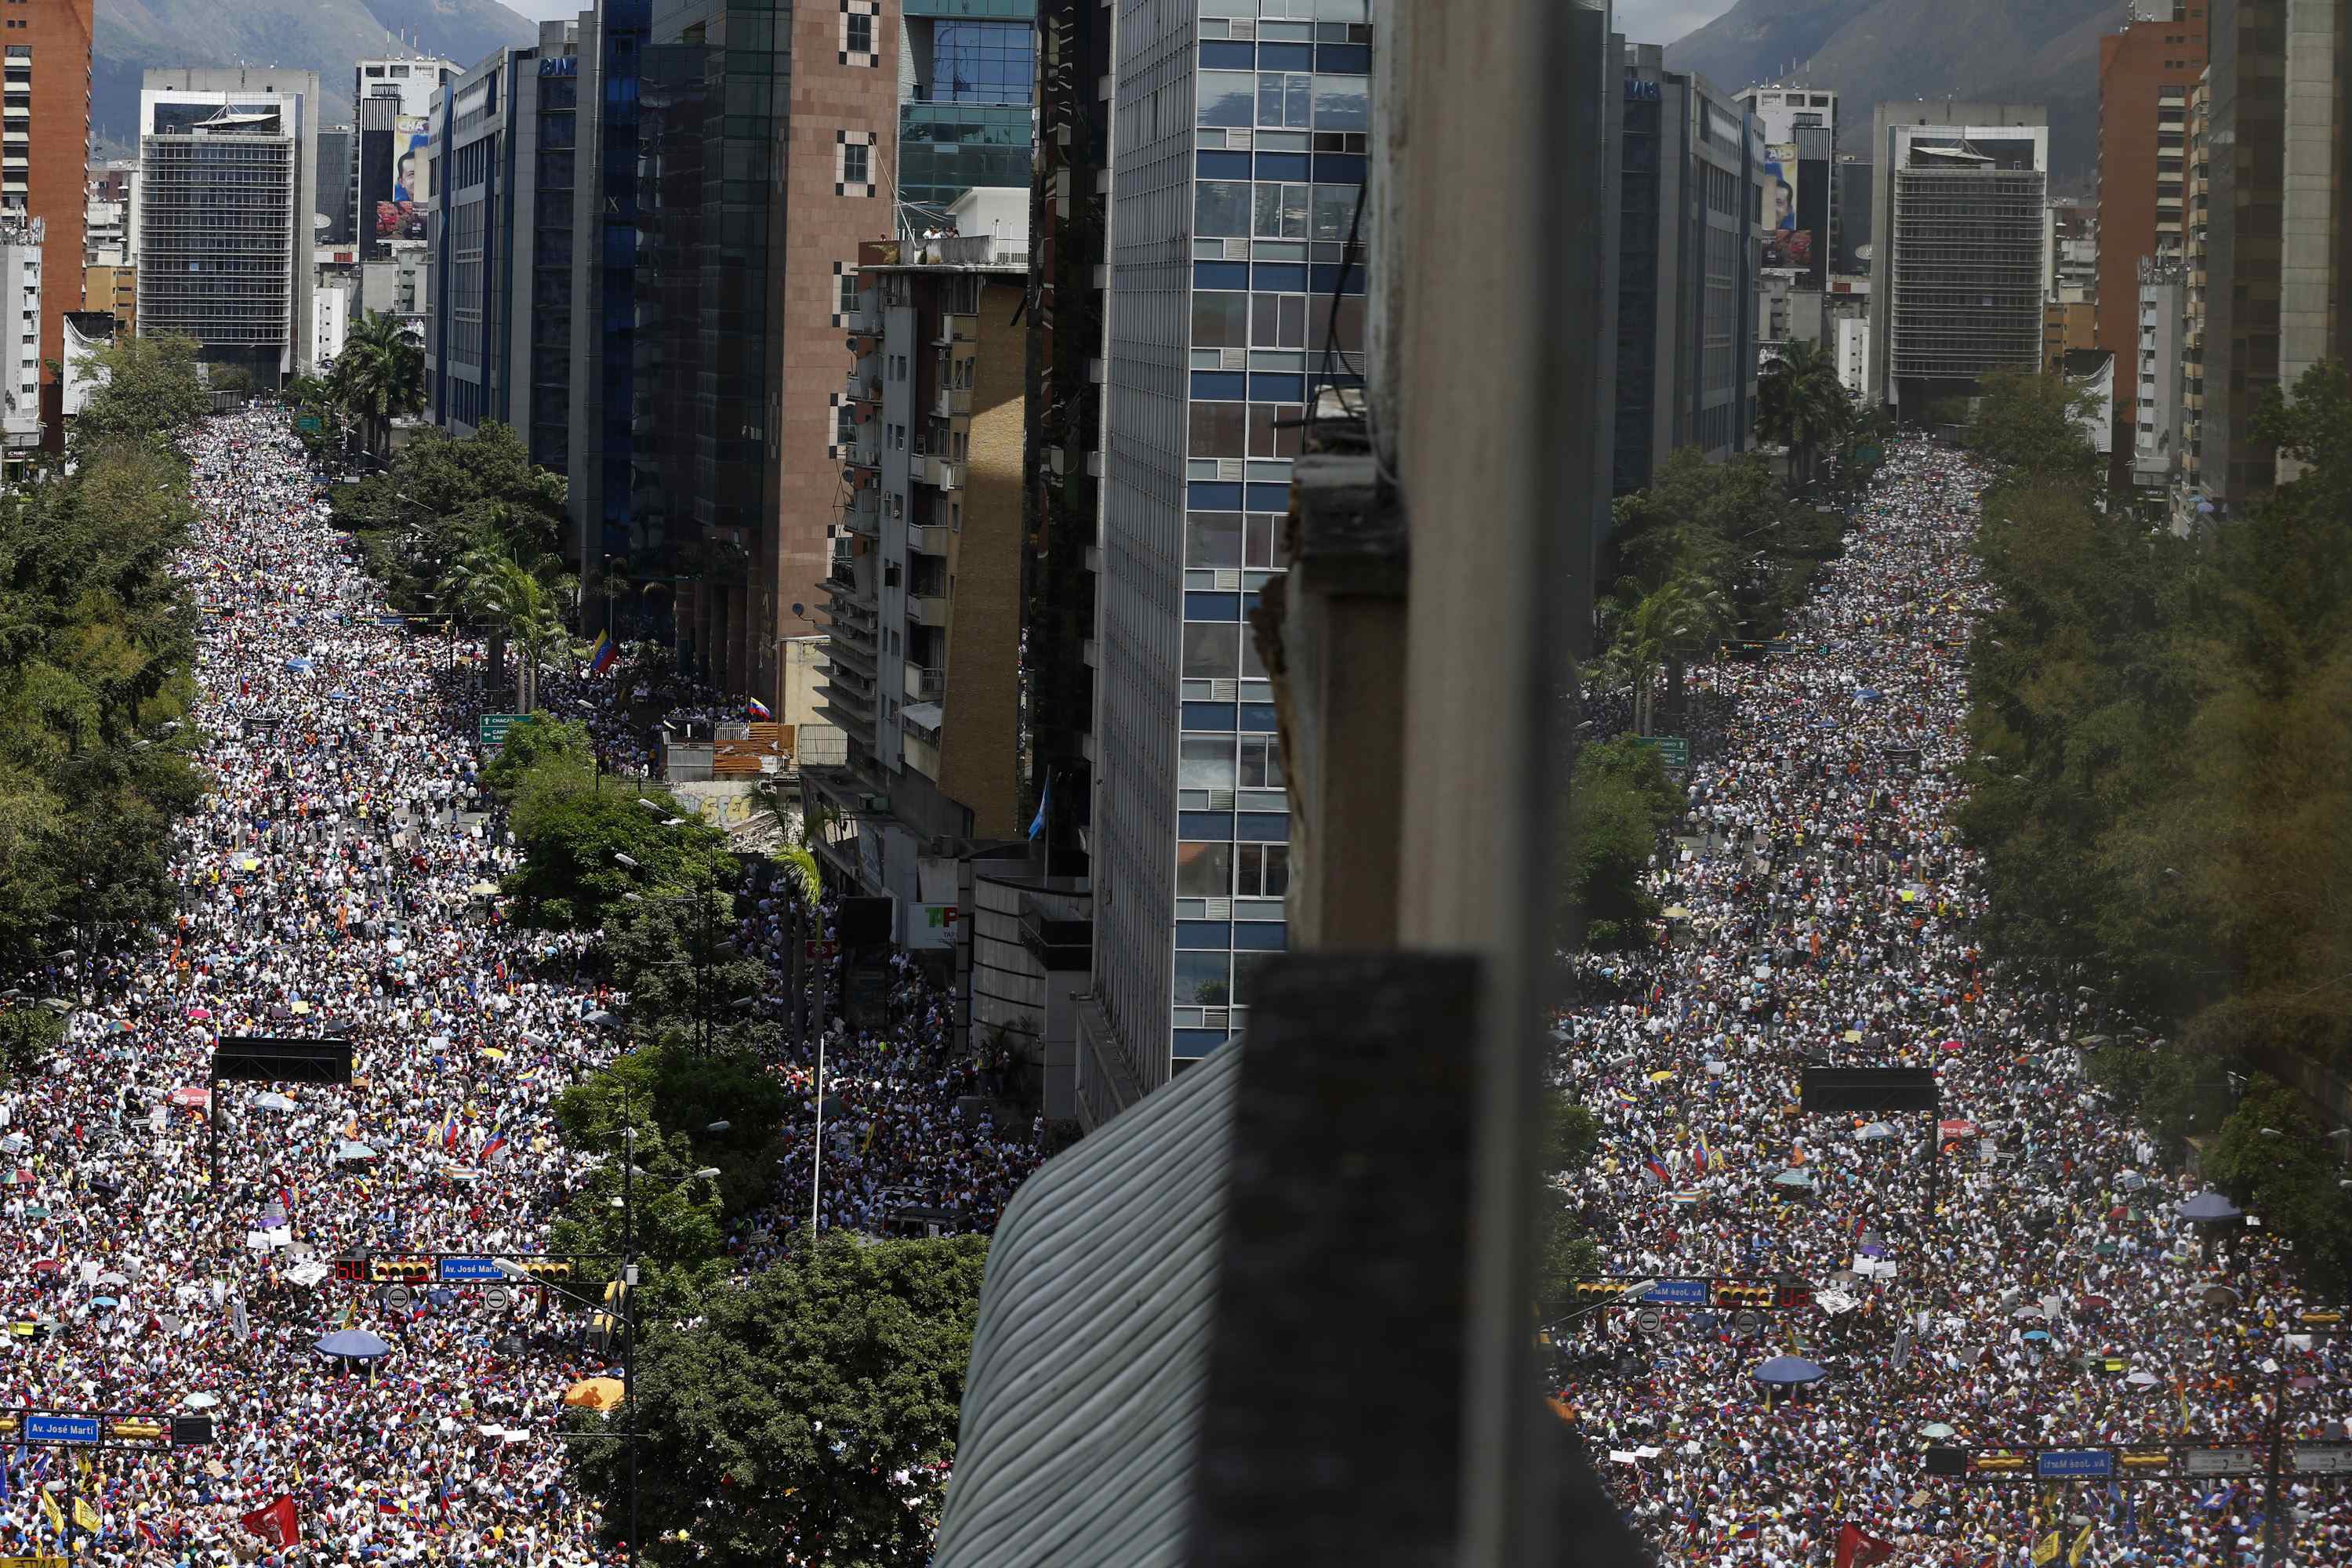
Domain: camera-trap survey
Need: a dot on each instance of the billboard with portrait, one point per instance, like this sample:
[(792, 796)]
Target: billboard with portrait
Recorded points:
[(391, 176), (1786, 242)]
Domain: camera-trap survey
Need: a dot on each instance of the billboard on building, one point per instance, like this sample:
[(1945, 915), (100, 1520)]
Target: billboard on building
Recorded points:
[(1787, 243), (392, 175), (1813, 221)]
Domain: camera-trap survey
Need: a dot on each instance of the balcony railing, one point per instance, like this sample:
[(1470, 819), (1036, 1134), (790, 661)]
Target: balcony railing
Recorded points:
[(926, 609), (926, 685), (931, 539)]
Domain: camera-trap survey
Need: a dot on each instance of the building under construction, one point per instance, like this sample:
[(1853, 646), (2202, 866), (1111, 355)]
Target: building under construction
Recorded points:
[(1962, 247)]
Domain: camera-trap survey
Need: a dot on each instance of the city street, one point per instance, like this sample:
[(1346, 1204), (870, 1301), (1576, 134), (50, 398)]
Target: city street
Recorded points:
[(329, 886), (2026, 1282)]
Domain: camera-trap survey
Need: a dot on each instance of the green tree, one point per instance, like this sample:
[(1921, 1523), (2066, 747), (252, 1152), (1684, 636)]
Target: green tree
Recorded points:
[(1620, 801), (810, 1413), (1802, 405), (2270, 1156), (574, 829), (150, 393), (378, 376), (445, 498)]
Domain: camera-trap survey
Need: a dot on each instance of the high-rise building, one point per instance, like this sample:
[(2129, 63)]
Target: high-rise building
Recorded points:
[(503, 160), (2316, 199), (1801, 216), (2247, 191), (925, 656), (221, 212), (2156, 373), (2146, 69), (1235, 299), (604, 311), (21, 298), (966, 69), (1960, 242), (339, 147), (392, 108), (1855, 196), (756, 186), (2188, 490), (43, 158), (114, 289), (1694, 181)]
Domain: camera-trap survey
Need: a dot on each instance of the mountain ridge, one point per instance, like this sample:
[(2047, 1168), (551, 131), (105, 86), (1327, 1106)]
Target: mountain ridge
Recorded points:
[(1887, 51), (325, 35)]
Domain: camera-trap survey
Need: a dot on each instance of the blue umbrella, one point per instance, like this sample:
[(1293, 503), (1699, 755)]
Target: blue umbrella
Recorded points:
[(1789, 1370), (2037, 1333), (441, 1298), (298, 664), (2207, 1206), (352, 1344), (1867, 694)]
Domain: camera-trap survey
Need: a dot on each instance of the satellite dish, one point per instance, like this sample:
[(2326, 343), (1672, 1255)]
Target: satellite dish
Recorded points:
[(321, 221), (1862, 252)]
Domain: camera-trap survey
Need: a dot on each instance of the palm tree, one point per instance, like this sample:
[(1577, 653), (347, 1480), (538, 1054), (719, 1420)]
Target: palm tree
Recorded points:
[(1799, 403), (1679, 620), (530, 605), (379, 376)]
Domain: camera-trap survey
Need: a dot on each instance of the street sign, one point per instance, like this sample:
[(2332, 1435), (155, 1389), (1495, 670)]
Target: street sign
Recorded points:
[(1869, 452), (398, 1297), (1673, 750), (490, 730), (1677, 1293), (497, 1298), (2075, 1465), (1648, 1320), (61, 1428), (2218, 1462), (309, 423), (2324, 1459), (457, 1269), (1745, 1323)]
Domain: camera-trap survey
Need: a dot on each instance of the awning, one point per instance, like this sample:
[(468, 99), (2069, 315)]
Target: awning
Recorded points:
[(923, 715)]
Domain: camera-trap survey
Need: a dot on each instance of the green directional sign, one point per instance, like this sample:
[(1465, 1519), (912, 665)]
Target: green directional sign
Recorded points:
[(1673, 750), (1869, 452), (310, 423), (491, 732)]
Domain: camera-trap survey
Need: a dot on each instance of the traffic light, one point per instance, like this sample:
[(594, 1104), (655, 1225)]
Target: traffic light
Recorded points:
[(1789, 1298), (2145, 1459), (548, 1268), (136, 1427), (192, 1431), (1598, 1289), (350, 1271), (1997, 1463), (2324, 1319), (1948, 1461), (1733, 1293), (401, 1270)]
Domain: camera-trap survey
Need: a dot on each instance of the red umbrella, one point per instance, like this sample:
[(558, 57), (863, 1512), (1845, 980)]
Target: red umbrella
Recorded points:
[(192, 1096), (1956, 1129)]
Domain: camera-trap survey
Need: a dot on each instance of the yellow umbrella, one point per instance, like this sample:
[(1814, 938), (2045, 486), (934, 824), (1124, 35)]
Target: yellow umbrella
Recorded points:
[(1660, 1076), (1853, 1036), (1675, 912), (595, 1392)]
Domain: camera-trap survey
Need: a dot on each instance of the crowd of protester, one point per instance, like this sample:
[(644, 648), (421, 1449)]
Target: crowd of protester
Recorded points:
[(2020, 1275), (166, 1255)]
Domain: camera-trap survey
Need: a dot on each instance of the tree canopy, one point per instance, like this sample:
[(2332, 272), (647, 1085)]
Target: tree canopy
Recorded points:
[(811, 1412), (2163, 734), (96, 641)]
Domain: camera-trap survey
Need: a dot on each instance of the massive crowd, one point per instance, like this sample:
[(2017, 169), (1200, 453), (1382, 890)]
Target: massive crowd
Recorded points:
[(340, 879), (2020, 1276)]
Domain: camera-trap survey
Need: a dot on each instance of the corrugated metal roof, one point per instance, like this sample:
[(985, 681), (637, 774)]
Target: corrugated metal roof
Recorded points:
[(1082, 1408)]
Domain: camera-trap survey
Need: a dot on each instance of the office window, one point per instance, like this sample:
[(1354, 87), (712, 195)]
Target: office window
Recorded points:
[(858, 28), (1261, 870), (1226, 98), (1220, 319), (1213, 539), (1284, 102), (1205, 762), (1204, 870), (1221, 207), (853, 173)]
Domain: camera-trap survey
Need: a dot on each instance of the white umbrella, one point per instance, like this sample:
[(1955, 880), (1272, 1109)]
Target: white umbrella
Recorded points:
[(2143, 1380), (1875, 1131), (201, 1401), (272, 1100)]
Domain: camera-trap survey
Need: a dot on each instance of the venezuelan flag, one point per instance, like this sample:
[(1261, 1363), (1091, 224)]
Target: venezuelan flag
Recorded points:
[(756, 709), (600, 656)]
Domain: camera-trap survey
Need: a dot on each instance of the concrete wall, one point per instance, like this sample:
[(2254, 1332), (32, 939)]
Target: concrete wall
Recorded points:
[(981, 730), (2315, 224)]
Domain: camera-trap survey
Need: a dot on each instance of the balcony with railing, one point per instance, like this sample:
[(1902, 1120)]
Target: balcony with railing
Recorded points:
[(931, 539), (957, 328), (926, 609), (925, 685)]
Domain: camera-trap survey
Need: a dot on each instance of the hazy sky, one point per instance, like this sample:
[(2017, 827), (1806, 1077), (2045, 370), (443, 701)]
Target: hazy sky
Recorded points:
[(1664, 21), (1642, 21)]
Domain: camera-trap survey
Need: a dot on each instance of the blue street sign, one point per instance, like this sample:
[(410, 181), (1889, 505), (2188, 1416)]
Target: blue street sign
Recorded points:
[(453, 1269), (2075, 1465), (1677, 1293), (61, 1428)]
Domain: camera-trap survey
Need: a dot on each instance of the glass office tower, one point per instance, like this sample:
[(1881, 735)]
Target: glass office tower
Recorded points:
[(1234, 297), (965, 76)]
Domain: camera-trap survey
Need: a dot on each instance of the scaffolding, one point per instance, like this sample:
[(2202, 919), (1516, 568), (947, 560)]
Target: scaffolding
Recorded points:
[(1966, 275), (216, 237)]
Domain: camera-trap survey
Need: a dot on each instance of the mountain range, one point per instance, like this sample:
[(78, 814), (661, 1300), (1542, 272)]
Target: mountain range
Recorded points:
[(324, 36), (1886, 51)]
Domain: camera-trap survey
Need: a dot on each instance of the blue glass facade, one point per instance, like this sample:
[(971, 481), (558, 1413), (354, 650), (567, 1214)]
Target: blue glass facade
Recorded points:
[(626, 28), (965, 122), (1283, 107)]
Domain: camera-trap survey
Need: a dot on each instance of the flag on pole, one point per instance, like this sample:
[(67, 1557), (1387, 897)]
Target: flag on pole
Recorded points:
[(1703, 1158), (1654, 1170), (1045, 805), (276, 1521), (600, 656), (758, 709), (1858, 1549), (497, 1142), (85, 1515), (49, 1514), (2049, 1549), (2081, 1544)]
